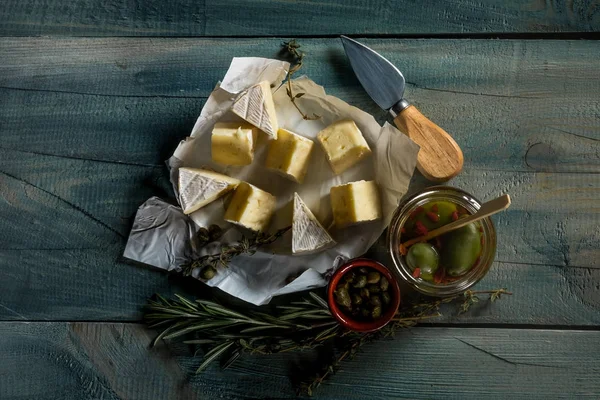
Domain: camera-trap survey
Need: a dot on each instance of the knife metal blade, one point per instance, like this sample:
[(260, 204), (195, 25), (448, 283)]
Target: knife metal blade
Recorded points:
[(379, 77)]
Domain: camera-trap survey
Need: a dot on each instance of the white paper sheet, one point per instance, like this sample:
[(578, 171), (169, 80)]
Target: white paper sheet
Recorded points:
[(258, 278)]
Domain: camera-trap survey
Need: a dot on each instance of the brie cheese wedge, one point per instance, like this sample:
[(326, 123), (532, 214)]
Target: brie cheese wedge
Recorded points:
[(256, 106), (198, 187), (308, 235)]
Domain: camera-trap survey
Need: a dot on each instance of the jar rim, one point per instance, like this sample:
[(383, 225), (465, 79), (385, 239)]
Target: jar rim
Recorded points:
[(456, 196)]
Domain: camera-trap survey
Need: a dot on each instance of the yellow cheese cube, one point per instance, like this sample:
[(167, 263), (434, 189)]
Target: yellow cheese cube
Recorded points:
[(251, 207), (344, 145), (233, 143), (289, 155), (355, 202)]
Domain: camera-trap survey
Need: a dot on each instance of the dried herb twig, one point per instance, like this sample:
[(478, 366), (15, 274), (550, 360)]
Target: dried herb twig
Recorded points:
[(210, 262), (291, 48)]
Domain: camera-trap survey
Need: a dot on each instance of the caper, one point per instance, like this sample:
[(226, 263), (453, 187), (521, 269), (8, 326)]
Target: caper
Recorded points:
[(376, 312), (376, 300), (349, 277), (360, 282), (207, 273), (203, 235), (364, 293), (356, 299), (214, 232), (342, 297), (363, 270), (386, 298), (374, 289), (384, 284), (373, 277), (365, 312)]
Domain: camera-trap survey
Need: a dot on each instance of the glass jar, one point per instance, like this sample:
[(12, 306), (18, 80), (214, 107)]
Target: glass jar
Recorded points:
[(460, 198)]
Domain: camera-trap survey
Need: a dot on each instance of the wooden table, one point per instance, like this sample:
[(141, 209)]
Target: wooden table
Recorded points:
[(95, 95)]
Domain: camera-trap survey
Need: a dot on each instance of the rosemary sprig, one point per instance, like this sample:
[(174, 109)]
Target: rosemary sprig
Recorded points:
[(227, 333), (291, 48), (210, 262)]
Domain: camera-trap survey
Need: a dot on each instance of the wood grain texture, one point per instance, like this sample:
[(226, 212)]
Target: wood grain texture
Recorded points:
[(289, 18), (81, 361), (87, 125), (511, 105)]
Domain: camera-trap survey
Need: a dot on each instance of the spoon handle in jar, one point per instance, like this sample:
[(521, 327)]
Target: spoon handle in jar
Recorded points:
[(490, 208)]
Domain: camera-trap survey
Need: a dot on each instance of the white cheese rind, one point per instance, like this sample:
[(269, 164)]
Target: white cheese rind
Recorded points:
[(198, 187), (308, 235), (256, 106)]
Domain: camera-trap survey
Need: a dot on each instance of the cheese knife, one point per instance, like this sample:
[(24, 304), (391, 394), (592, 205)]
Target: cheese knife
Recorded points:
[(439, 158)]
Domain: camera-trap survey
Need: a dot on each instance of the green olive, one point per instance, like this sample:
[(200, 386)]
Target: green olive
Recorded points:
[(425, 257), (461, 249), (432, 215), (342, 297), (384, 283), (373, 277), (360, 282)]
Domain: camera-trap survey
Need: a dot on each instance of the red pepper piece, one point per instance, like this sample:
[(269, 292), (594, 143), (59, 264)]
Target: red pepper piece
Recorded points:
[(434, 208), (433, 217), (417, 273), (420, 229), (403, 250), (414, 214), (455, 216), (438, 243), (403, 230)]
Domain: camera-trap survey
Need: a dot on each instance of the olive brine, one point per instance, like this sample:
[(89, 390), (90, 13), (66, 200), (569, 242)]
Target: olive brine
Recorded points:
[(447, 257), (363, 294)]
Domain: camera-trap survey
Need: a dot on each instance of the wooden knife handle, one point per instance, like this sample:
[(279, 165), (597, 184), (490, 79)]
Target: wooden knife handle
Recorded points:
[(440, 158)]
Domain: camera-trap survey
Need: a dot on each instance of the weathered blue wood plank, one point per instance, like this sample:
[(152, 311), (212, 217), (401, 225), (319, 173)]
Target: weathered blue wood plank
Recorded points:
[(79, 164), (285, 18), (538, 112), (81, 361)]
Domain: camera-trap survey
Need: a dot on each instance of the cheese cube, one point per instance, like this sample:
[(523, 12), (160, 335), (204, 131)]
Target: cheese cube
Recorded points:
[(344, 145), (198, 187), (289, 155), (233, 143), (355, 202), (256, 106), (251, 207)]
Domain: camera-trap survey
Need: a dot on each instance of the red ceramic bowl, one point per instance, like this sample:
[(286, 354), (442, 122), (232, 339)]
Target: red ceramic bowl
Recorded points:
[(346, 320)]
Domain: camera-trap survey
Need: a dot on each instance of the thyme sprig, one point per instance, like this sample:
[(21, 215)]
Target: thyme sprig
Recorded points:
[(226, 333), (291, 48), (210, 262)]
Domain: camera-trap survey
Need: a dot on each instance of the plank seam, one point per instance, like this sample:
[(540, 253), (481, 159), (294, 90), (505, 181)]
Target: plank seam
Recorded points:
[(87, 214), (160, 96)]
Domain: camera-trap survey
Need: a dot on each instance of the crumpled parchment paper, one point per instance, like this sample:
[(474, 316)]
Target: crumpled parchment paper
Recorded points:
[(162, 234)]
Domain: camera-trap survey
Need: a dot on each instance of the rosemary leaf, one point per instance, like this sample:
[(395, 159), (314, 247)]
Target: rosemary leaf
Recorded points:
[(214, 353)]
